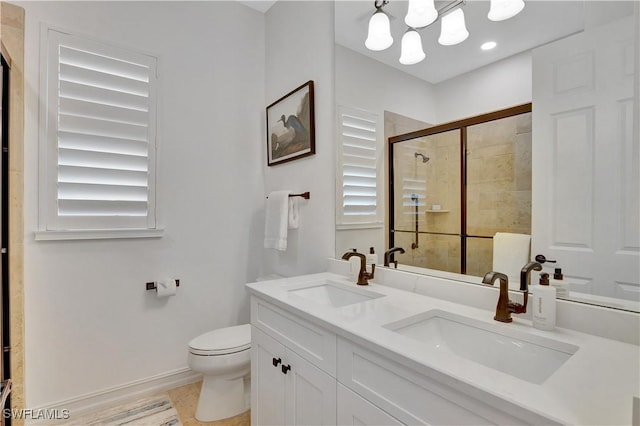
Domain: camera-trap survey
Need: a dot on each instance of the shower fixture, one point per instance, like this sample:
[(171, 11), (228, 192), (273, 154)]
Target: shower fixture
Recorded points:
[(424, 157)]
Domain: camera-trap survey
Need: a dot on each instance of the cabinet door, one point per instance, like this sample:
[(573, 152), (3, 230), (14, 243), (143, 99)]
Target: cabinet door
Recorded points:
[(355, 410), (267, 380), (310, 392)]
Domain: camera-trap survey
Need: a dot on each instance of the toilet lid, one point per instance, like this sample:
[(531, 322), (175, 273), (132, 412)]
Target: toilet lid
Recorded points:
[(222, 341)]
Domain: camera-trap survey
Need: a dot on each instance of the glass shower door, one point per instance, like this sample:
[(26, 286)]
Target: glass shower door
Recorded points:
[(426, 191), (498, 186)]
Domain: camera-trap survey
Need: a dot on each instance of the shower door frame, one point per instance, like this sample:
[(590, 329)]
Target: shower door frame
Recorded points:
[(5, 343), (462, 126)]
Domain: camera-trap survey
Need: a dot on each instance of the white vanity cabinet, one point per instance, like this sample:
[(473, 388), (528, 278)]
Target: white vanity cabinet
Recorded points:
[(351, 364), (292, 369), (304, 374), (289, 389), (410, 397)]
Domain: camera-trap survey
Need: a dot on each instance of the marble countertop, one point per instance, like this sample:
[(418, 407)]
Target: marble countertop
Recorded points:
[(596, 385)]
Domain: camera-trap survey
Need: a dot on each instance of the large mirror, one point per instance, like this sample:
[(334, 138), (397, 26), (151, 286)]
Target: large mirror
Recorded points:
[(577, 63)]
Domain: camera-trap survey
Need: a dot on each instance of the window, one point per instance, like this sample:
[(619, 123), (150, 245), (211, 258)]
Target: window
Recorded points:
[(99, 137), (359, 185)]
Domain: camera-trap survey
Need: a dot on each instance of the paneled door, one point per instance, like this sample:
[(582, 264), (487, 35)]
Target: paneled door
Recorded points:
[(585, 159)]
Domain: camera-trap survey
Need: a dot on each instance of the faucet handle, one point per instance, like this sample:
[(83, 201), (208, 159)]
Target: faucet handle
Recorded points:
[(369, 276), (517, 308)]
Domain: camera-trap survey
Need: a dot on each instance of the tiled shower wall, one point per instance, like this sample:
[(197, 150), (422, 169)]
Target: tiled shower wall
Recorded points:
[(12, 39)]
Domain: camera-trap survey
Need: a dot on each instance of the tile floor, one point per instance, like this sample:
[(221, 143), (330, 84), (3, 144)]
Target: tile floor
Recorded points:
[(185, 400)]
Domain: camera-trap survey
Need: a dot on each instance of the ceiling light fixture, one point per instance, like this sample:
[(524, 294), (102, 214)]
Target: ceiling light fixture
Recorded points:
[(379, 37), (420, 14)]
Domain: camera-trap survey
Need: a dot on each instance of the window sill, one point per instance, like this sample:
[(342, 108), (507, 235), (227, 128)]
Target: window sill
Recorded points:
[(98, 234), (347, 226)]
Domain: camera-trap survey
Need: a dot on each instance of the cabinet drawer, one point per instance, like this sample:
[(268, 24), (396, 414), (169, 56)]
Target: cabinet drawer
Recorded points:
[(311, 342), (415, 398), (355, 410)]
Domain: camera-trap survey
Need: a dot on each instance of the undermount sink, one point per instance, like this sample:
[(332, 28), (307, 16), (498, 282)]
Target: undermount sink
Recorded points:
[(329, 293), (525, 356)]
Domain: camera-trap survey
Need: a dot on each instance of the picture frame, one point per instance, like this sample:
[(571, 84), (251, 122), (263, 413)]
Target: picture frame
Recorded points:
[(291, 126)]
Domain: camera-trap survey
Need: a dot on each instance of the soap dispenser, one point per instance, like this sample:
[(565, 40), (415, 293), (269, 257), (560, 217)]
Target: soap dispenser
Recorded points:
[(543, 305), (561, 286), (372, 257)]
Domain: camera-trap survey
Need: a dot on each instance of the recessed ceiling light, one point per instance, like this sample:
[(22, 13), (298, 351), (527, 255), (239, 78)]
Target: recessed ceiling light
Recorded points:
[(488, 45)]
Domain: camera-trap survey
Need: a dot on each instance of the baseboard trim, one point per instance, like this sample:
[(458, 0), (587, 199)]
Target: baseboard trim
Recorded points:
[(118, 394)]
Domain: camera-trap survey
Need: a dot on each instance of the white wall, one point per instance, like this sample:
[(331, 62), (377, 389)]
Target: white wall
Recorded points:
[(496, 86), (299, 47), (362, 82), (90, 324)]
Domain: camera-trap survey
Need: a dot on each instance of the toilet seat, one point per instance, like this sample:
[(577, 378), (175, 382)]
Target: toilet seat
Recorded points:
[(222, 341)]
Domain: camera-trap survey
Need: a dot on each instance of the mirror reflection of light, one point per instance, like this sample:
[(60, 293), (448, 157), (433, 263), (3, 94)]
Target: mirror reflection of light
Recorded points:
[(488, 45), (453, 29), (379, 36), (504, 9), (420, 13), (411, 50)]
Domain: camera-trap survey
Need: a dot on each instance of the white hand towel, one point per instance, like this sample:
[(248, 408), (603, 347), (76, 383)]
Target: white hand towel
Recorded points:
[(276, 220), (510, 253), (294, 213)]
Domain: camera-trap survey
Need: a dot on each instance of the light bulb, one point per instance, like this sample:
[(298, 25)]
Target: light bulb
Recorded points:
[(411, 50), (504, 9), (453, 29), (420, 13), (379, 37)]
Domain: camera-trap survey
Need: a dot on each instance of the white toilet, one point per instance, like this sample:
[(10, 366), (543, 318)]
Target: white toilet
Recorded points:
[(223, 357)]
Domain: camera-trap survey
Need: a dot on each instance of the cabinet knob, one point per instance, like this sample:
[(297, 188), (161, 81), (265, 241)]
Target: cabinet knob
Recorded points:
[(276, 361), (286, 368)]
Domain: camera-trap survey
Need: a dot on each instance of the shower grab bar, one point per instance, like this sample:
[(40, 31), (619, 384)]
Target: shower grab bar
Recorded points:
[(414, 198)]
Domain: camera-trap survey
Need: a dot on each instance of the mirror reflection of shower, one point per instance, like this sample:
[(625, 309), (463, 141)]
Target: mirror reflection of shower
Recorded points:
[(414, 198), (424, 157)]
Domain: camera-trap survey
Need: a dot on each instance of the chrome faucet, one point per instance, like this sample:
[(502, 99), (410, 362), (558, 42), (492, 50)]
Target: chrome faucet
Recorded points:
[(525, 276), (363, 275), (388, 255), (505, 307)]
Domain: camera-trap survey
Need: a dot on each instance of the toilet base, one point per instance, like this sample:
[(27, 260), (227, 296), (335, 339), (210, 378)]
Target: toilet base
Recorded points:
[(220, 398)]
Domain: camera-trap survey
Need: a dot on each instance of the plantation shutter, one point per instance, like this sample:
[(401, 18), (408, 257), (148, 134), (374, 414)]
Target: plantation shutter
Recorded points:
[(359, 175), (101, 133)]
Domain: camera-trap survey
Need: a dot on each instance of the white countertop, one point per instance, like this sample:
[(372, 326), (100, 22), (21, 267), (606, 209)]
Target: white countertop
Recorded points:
[(596, 385)]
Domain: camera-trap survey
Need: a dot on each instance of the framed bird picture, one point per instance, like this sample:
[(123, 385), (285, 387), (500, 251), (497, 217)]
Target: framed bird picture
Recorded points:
[(291, 126)]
